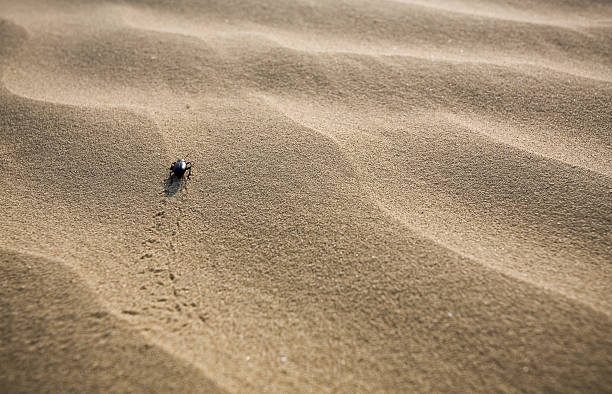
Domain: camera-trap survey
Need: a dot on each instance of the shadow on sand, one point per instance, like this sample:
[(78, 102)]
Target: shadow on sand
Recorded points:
[(173, 185)]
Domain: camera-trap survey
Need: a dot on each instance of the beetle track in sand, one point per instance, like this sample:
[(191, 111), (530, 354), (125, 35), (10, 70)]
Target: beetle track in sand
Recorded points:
[(176, 301)]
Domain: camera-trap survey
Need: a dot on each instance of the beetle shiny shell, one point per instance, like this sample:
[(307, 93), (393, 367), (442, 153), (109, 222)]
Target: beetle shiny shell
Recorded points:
[(179, 167)]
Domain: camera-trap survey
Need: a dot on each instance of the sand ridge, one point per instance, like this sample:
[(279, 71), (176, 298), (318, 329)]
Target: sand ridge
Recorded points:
[(387, 196)]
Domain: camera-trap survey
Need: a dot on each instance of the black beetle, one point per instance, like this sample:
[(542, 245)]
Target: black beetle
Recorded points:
[(179, 167)]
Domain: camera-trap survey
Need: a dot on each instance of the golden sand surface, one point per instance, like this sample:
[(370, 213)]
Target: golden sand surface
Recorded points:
[(387, 196)]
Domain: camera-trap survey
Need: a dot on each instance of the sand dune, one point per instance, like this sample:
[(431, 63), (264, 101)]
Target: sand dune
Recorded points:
[(48, 305), (387, 196)]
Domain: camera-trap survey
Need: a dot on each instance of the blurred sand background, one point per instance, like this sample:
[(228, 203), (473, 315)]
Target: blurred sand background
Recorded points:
[(388, 195)]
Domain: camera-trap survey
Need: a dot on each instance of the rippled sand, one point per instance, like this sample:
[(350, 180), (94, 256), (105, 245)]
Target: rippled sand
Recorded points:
[(386, 196)]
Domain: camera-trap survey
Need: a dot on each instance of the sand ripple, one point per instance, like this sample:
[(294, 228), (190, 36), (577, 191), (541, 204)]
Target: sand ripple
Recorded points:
[(387, 196)]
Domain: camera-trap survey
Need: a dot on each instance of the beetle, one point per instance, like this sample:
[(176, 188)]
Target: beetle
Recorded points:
[(179, 167)]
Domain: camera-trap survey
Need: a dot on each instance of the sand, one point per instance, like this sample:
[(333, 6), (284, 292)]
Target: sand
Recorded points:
[(387, 196)]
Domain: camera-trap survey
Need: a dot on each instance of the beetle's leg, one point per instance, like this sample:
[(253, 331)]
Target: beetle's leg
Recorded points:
[(188, 168)]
